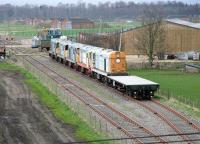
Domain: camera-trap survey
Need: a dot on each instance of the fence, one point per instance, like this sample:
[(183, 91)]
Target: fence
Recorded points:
[(160, 65), (95, 121), (169, 94)]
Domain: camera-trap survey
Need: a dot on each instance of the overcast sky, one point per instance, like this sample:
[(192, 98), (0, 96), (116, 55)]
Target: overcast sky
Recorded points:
[(55, 2)]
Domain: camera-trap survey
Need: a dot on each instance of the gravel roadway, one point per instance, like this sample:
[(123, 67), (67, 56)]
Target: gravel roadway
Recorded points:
[(23, 120)]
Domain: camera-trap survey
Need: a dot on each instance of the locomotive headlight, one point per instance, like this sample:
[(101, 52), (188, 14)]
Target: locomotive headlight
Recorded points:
[(117, 60)]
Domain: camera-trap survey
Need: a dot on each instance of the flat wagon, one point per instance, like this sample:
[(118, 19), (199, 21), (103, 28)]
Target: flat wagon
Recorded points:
[(134, 86)]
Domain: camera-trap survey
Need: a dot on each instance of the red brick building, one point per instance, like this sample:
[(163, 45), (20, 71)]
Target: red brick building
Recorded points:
[(72, 23)]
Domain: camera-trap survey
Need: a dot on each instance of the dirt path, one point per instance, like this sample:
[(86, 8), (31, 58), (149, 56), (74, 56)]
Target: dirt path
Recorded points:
[(23, 120)]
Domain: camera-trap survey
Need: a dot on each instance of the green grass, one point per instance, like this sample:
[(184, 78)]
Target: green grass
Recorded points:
[(26, 31), (58, 108), (15, 27), (124, 25), (179, 84), (19, 30), (61, 111), (191, 111), (75, 32)]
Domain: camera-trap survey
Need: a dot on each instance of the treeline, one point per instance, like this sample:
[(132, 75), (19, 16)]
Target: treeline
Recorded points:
[(105, 11)]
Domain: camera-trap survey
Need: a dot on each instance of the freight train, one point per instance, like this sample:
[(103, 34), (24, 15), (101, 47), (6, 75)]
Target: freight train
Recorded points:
[(43, 38), (106, 65)]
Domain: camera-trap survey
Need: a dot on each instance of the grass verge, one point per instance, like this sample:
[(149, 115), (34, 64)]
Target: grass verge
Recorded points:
[(182, 87), (58, 108), (176, 83), (187, 109)]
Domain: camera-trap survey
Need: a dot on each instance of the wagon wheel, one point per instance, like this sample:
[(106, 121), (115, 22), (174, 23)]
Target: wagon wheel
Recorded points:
[(40, 49)]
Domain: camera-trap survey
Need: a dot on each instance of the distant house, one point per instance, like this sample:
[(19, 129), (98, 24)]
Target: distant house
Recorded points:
[(63, 23), (79, 23), (34, 21), (72, 23), (55, 23)]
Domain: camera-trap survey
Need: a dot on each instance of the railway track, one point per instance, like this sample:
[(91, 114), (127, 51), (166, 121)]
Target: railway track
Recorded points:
[(179, 123), (172, 119), (175, 120), (128, 126), (174, 124)]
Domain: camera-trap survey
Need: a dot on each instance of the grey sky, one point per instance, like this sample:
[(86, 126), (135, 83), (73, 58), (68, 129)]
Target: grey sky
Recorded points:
[(55, 2)]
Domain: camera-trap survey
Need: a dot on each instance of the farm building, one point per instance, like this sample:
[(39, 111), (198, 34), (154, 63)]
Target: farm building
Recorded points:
[(180, 36)]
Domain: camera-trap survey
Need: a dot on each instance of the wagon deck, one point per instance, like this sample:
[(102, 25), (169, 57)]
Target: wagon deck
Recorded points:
[(135, 86), (132, 80)]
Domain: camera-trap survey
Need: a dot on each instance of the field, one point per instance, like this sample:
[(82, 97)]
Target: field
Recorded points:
[(113, 26), (177, 84), (124, 25), (17, 30), (27, 31)]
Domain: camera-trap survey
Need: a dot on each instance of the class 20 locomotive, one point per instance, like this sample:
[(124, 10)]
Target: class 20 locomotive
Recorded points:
[(95, 59)]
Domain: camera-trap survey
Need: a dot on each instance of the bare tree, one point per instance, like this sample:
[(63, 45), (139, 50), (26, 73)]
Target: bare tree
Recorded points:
[(114, 40), (150, 38), (108, 40)]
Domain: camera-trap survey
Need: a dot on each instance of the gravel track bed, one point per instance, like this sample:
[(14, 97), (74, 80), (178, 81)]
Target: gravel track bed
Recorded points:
[(126, 106), (133, 129), (183, 126)]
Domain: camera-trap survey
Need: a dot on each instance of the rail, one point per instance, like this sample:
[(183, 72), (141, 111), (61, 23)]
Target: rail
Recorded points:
[(129, 121)]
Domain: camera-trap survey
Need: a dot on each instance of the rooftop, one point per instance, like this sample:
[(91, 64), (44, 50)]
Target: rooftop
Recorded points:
[(185, 23)]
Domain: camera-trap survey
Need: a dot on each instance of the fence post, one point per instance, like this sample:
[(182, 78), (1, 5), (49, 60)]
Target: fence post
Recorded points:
[(168, 95)]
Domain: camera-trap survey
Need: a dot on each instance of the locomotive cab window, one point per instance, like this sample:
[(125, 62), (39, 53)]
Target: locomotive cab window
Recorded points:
[(57, 45), (94, 56), (78, 50), (66, 47), (104, 64)]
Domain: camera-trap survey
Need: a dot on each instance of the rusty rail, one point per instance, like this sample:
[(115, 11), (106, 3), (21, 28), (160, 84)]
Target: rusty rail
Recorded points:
[(163, 118), (108, 106), (158, 114), (177, 114)]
